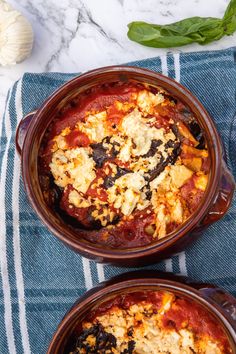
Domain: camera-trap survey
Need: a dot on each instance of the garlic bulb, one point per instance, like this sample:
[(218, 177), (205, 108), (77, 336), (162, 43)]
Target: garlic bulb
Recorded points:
[(16, 35)]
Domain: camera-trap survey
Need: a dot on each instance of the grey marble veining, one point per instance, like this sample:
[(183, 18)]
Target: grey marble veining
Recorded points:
[(78, 35)]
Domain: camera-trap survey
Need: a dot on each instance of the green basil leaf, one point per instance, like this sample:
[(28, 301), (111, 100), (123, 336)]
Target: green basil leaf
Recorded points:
[(202, 30), (174, 35), (229, 19), (192, 25), (151, 36), (206, 36), (230, 11)]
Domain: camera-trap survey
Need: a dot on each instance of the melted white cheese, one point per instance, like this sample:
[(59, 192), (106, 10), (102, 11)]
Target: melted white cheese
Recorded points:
[(126, 192), (78, 200), (145, 164), (126, 150), (74, 167), (147, 101), (135, 127), (176, 175), (95, 127)]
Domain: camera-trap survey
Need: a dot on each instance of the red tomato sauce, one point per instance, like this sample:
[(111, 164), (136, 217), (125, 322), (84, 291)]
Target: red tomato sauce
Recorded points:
[(191, 194), (77, 139), (188, 314), (131, 233), (94, 99), (125, 301), (126, 234)]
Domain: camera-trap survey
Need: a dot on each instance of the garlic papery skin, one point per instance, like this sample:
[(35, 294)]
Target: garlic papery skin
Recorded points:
[(16, 35)]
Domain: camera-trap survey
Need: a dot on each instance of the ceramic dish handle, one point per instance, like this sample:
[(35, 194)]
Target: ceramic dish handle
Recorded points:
[(224, 197), (21, 131), (226, 301)]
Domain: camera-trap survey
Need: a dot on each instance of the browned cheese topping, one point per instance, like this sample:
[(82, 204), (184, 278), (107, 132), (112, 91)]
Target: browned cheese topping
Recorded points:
[(134, 159), (160, 323)]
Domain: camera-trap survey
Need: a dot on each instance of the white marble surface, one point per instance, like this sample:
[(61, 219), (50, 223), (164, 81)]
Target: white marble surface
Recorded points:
[(78, 35)]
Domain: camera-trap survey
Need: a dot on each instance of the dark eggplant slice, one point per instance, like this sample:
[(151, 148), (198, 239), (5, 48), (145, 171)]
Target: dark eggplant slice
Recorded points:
[(109, 180), (121, 171), (69, 220), (104, 341), (169, 97), (175, 153), (193, 126), (186, 113), (147, 191), (116, 219), (157, 170), (101, 154), (176, 132), (170, 144), (130, 349), (55, 192), (154, 145), (201, 140), (171, 159), (197, 132), (94, 224)]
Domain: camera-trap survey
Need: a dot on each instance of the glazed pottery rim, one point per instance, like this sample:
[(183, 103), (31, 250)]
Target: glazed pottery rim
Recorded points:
[(97, 250), (104, 290)]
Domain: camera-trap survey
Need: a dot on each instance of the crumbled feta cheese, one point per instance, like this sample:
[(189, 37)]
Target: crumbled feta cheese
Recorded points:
[(145, 164), (160, 179), (78, 200), (95, 127), (126, 192), (125, 150), (187, 338), (135, 127), (147, 101), (130, 181), (74, 167), (130, 199)]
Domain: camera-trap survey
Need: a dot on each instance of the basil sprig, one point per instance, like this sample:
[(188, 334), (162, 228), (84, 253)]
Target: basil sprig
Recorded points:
[(202, 30)]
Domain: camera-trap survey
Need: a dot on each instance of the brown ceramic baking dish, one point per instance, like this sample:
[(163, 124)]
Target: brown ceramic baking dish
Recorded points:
[(215, 300), (213, 206)]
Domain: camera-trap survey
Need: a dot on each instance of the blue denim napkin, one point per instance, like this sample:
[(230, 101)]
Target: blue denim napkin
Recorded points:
[(40, 277)]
